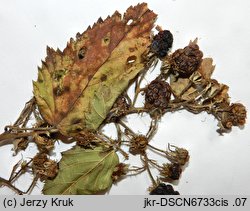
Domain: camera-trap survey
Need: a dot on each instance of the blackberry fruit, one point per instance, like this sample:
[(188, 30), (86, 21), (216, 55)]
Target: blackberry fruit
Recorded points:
[(157, 94), (161, 43), (163, 189), (186, 61)]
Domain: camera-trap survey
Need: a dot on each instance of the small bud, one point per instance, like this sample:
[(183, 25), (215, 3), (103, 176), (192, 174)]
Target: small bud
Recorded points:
[(120, 170), (234, 115), (178, 155)]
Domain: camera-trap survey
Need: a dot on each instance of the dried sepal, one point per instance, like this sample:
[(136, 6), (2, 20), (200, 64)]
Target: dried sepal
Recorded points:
[(120, 171), (119, 109), (138, 144), (20, 144), (87, 139), (234, 115), (44, 144), (170, 171), (178, 155), (44, 167)]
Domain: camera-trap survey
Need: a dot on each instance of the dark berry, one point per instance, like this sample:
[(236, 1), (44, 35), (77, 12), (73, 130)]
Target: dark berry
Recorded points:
[(157, 94), (186, 61), (163, 189), (175, 170), (161, 43)]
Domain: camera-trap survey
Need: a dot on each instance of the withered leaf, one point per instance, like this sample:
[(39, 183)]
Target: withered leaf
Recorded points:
[(83, 171), (76, 88)]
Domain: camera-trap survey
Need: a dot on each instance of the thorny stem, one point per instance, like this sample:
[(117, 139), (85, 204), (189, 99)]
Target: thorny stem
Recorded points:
[(8, 138), (34, 129), (32, 185), (127, 128), (20, 172), (9, 185)]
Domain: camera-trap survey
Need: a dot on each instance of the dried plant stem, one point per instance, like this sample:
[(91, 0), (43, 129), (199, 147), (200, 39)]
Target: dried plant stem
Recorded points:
[(20, 172), (146, 163), (26, 112), (152, 129), (137, 86), (9, 185), (127, 128), (8, 138)]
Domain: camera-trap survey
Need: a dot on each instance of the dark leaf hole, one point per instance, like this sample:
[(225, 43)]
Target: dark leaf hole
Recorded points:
[(82, 52), (131, 59)]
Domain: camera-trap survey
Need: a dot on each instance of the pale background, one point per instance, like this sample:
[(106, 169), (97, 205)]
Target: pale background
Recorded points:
[(218, 164)]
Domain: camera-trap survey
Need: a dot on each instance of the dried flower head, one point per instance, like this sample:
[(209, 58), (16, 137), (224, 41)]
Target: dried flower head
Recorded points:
[(171, 171), (44, 167), (163, 189), (235, 115), (86, 139), (120, 106), (157, 94), (138, 145), (43, 144), (120, 170), (178, 155), (186, 61), (161, 43)]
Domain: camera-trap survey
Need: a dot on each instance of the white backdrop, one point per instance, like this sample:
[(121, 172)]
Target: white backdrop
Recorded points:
[(218, 164)]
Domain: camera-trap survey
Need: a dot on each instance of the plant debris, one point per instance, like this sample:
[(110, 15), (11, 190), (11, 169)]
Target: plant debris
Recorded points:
[(85, 87)]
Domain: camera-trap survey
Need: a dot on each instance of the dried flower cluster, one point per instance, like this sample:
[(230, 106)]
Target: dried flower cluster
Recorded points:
[(84, 87)]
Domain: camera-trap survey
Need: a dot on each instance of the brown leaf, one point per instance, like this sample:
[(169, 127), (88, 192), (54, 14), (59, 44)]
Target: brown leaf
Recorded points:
[(93, 69)]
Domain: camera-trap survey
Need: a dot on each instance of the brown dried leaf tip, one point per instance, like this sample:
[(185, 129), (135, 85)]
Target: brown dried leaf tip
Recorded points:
[(138, 145), (157, 94), (44, 167), (186, 61)]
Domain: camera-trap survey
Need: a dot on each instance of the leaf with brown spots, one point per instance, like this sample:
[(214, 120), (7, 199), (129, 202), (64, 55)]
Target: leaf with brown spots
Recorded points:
[(77, 87)]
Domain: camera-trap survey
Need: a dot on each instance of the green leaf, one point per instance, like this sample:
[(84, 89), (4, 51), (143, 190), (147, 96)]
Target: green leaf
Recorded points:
[(83, 171)]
